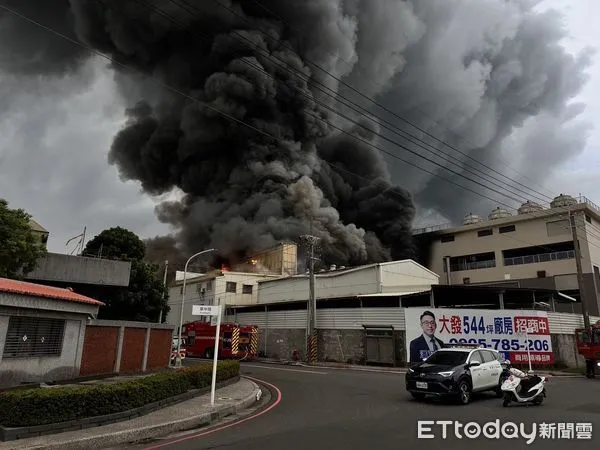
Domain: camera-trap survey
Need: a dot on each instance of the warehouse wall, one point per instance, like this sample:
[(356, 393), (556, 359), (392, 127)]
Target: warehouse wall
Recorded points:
[(341, 334)]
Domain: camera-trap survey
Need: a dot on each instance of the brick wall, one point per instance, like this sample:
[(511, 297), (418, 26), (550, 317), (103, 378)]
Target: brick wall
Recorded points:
[(159, 352), (120, 347), (99, 350), (132, 355)]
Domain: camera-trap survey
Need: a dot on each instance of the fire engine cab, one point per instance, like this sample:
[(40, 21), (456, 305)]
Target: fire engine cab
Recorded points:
[(588, 346), (235, 341)]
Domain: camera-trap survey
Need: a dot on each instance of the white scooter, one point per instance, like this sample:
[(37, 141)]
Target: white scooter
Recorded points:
[(513, 390)]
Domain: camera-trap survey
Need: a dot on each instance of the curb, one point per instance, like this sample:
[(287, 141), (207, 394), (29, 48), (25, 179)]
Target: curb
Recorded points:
[(155, 431)]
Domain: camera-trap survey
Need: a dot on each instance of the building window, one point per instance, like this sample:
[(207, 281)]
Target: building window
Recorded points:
[(230, 286), (28, 337), (472, 262), (467, 280), (209, 285), (485, 233), (447, 238), (247, 289), (506, 229)]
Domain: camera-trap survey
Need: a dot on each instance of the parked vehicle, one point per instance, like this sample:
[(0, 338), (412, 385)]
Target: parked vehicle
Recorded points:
[(235, 342), (530, 390), (456, 373), (588, 346)]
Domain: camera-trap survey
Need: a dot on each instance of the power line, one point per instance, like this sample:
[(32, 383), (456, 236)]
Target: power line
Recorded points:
[(170, 88), (366, 142), (383, 107), (351, 105)]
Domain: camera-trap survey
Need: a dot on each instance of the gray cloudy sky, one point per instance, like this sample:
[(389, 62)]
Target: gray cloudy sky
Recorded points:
[(53, 148)]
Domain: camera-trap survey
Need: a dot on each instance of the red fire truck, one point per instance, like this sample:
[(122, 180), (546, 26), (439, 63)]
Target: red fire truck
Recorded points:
[(588, 346), (235, 341)]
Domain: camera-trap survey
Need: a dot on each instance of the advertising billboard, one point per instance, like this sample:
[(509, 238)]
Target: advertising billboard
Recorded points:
[(511, 332)]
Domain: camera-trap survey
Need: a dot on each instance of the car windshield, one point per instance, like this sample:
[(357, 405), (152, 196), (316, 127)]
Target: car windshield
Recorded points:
[(443, 358)]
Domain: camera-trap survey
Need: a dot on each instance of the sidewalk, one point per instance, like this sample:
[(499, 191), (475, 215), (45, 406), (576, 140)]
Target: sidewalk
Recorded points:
[(398, 370), (182, 416)]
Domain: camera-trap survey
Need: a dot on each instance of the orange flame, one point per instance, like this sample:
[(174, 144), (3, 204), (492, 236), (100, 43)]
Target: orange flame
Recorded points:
[(224, 268)]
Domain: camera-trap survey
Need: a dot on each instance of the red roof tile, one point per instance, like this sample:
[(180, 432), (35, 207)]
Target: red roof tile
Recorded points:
[(40, 290)]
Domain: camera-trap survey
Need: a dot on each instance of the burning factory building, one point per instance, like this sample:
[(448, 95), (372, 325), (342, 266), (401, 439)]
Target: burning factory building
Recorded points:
[(232, 283)]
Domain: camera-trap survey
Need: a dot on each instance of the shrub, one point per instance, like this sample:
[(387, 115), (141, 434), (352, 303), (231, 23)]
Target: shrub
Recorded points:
[(38, 406)]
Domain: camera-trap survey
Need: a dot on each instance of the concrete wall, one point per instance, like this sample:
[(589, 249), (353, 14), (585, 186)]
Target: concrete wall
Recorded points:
[(125, 347), (81, 270), (14, 371), (347, 346)]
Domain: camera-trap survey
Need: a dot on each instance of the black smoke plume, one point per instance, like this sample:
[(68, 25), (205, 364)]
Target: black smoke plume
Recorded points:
[(501, 82), (246, 189)]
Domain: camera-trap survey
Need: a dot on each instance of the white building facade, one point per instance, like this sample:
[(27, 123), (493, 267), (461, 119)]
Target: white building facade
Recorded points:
[(218, 287), (395, 278)]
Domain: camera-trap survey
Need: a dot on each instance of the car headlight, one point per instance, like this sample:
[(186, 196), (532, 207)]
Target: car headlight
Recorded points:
[(446, 374), (598, 363)]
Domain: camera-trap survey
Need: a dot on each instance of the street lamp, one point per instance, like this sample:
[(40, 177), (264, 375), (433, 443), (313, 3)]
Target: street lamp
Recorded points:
[(178, 356)]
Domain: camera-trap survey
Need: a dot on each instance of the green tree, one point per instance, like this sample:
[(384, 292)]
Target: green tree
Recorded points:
[(142, 300), (146, 294), (116, 243), (20, 248)]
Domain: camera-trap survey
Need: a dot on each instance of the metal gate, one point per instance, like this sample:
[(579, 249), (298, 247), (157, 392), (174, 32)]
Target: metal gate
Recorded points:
[(380, 346)]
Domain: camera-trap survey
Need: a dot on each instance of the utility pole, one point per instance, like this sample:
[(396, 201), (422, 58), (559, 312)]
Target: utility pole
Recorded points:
[(165, 284), (582, 296), (311, 319)]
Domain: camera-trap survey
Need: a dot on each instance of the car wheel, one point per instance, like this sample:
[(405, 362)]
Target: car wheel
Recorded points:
[(464, 392), (417, 395)]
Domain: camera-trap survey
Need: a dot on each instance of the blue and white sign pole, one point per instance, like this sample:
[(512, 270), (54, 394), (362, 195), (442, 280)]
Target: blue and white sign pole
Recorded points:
[(201, 310)]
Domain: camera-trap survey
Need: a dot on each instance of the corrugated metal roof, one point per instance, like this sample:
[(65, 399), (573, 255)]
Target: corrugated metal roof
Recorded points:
[(39, 290)]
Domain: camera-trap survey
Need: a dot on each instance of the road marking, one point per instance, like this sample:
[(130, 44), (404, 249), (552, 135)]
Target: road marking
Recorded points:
[(229, 425), (284, 369)]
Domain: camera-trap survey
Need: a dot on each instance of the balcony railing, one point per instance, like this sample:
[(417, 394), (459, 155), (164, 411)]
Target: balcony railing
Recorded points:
[(543, 257), (472, 265)]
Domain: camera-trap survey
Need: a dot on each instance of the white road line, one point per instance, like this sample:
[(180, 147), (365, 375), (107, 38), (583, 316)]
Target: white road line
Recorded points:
[(268, 367)]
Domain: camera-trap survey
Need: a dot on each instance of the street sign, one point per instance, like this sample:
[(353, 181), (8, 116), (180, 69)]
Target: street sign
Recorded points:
[(204, 310), (215, 314)]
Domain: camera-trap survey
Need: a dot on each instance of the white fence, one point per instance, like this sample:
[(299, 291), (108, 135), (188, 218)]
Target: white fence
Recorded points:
[(355, 318)]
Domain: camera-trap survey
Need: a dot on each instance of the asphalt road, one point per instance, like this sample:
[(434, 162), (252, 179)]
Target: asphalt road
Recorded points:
[(341, 409)]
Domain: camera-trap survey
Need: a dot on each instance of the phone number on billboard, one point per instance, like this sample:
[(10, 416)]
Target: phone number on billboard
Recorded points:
[(506, 344)]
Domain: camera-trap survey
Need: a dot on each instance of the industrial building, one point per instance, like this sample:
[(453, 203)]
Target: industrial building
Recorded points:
[(237, 285), (533, 248), (383, 280)]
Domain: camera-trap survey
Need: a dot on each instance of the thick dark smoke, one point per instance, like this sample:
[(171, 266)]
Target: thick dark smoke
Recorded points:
[(500, 82)]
